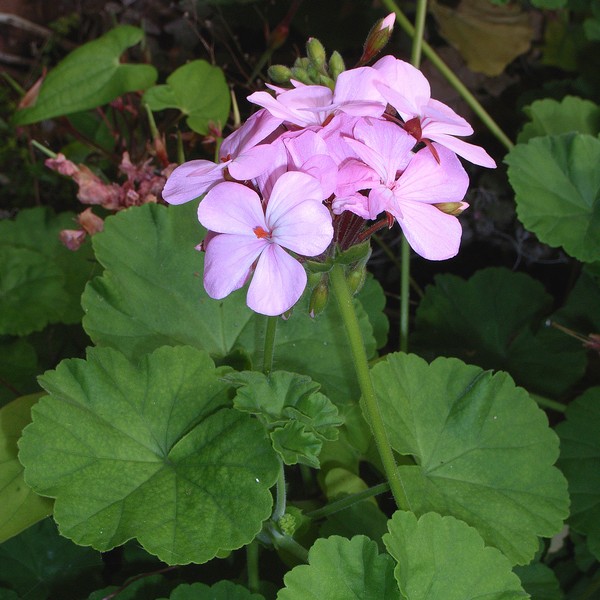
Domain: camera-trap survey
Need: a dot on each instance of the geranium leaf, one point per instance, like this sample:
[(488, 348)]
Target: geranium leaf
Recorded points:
[(223, 590), (341, 569), (90, 76), (40, 564), (442, 557), (539, 581), (496, 320), (199, 90), (298, 417), (557, 185), (148, 587), (151, 295), (550, 117), (18, 369), (151, 451), (482, 447), (580, 462), (21, 507)]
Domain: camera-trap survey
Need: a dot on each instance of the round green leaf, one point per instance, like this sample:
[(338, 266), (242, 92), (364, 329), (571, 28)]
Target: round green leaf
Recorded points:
[(550, 117), (21, 507), (90, 76), (442, 557), (151, 295), (483, 450), (150, 451), (539, 581), (223, 590), (557, 185), (496, 320), (199, 90), (580, 462), (341, 569)]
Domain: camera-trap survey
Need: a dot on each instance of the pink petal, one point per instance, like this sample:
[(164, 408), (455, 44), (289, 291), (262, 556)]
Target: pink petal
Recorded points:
[(426, 180), (250, 134), (354, 176), (290, 190), (252, 162), (431, 233), (475, 154), (228, 262), (356, 94), (440, 118), (278, 282), (192, 179), (232, 208)]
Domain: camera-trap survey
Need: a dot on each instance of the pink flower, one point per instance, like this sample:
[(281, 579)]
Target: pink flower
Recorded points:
[(249, 239), (408, 91)]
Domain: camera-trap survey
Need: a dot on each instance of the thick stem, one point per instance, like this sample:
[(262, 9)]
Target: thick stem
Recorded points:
[(252, 566), (452, 79), (269, 351), (547, 403), (361, 367), (280, 500), (347, 501)]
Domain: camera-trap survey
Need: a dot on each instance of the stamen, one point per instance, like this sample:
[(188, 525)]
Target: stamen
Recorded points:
[(261, 234)]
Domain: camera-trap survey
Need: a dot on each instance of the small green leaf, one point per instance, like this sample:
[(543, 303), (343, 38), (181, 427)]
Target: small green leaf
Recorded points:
[(21, 507), (550, 117), (148, 587), (149, 450), (223, 590), (18, 369), (90, 76), (557, 185), (298, 417), (580, 462), (341, 569), (539, 581), (482, 447), (198, 90), (496, 320), (442, 557), (40, 564)]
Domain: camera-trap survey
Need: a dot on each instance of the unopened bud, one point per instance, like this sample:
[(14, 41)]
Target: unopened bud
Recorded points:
[(451, 208), (316, 53), (300, 74), (313, 73), (336, 64), (287, 524), (326, 81), (377, 39), (356, 279), (279, 73), (319, 298)]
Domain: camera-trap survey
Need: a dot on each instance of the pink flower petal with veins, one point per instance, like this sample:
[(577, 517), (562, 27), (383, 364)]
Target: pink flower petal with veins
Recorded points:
[(192, 179)]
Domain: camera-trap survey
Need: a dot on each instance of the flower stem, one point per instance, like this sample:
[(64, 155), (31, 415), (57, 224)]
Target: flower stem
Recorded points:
[(280, 500), (361, 366), (547, 403), (252, 566), (452, 79), (269, 350), (404, 294), (347, 501)]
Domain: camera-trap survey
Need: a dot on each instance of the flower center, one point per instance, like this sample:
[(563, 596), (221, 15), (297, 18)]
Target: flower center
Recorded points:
[(261, 234)]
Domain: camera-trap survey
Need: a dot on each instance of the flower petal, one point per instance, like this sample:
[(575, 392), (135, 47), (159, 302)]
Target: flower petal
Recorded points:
[(278, 282), (228, 262), (192, 179), (232, 208), (250, 134), (252, 162), (475, 154)]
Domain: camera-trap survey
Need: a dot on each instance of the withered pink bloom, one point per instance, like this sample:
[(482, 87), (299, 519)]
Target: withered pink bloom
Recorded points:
[(72, 238), (90, 222)]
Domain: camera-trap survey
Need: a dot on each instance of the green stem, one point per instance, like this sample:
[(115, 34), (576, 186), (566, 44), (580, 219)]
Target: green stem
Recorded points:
[(269, 345), (252, 566), (347, 501), (419, 29), (452, 79), (43, 149), (547, 403), (361, 367), (404, 295), (289, 544), (280, 499)]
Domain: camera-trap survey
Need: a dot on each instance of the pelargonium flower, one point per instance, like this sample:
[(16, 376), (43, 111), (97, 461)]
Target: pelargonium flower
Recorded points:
[(408, 91), (248, 240)]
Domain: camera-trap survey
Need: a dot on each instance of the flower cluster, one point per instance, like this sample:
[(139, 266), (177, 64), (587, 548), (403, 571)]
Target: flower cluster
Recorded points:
[(314, 166)]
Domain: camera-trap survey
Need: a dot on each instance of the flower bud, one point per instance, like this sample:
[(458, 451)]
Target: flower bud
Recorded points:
[(319, 297), (451, 208), (336, 64), (377, 39), (287, 524), (279, 73), (316, 53), (300, 74), (356, 279)]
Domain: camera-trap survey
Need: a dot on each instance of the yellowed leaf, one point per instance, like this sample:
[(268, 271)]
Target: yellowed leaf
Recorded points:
[(488, 36)]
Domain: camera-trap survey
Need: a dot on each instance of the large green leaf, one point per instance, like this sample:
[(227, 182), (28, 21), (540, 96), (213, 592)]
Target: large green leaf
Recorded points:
[(36, 230), (39, 564), (298, 417), (90, 76), (20, 507), (550, 117), (149, 450), (539, 581), (496, 320), (442, 557), (341, 569), (557, 185), (198, 90), (18, 369), (580, 462), (151, 295), (482, 447), (223, 590)]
